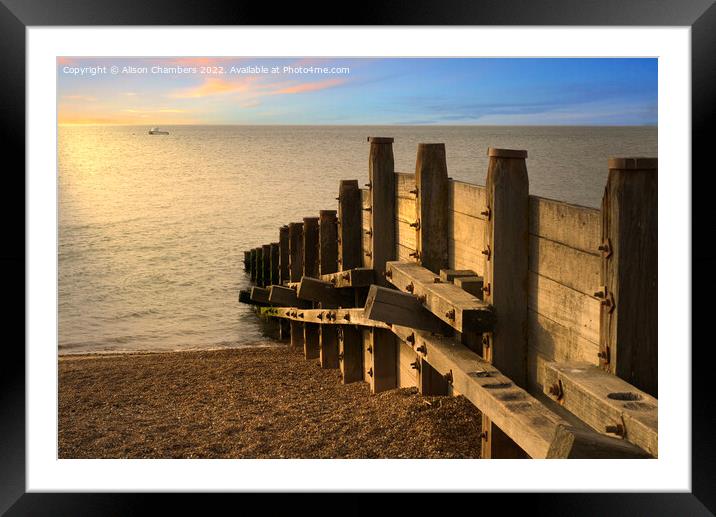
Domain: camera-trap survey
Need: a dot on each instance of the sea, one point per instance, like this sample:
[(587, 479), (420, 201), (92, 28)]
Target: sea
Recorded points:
[(152, 228)]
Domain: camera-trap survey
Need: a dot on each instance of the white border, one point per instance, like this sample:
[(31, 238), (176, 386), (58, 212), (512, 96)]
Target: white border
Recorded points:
[(670, 472)]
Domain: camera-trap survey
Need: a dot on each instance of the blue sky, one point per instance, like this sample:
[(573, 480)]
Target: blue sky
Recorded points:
[(373, 91)]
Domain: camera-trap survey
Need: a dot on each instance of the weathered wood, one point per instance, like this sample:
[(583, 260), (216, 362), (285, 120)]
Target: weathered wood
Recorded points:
[(558, 342), (350, 222), (572, 225), (536, 429), (381, 174), (275, 268), (464, 256), (295, 251), (252, 265), (431, 180), (260, 295), (505, 276), (284, 330), (605, 402), (283, 261), (286, 297), (311, 340), (405, 210), (358, 277), (629, 312), (573, 310), (408, 362), (456, 307), (405, 185), (350, 346), (574, 268), (328, 353), (297, 335), (245, 296), (310, 247), (266, 265), (324, 293), (471, 284), (328, 241), (247, 260), (467, 199), (451, 275), (354, 316), (430, 381), (406, 235), (384, 356), (259, 267), (392, 306)]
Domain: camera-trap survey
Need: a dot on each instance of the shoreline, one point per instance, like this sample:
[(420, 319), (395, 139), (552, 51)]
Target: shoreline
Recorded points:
[(253, 402)]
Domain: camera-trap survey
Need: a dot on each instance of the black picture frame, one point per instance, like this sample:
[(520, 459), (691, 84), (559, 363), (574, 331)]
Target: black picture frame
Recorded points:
[(16, 15)]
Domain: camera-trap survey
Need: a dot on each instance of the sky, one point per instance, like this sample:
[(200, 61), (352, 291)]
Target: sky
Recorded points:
[(358, 91)]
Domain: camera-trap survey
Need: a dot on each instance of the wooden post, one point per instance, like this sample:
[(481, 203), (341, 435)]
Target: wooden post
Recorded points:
[(328, 239), (247, 260), (266, 255), (505, 280), (349, 225), (295, 251), (274, 264), (295, 261), (629, 311), (310, 246), (381, 173), (283, 262), (259, 267), (252, 265), (431, 207), (328, 354), (384, 353), (430, 382), (311, 340), (350, 353)]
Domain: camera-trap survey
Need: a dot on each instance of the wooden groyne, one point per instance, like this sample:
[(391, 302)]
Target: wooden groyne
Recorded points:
[(543, 314)]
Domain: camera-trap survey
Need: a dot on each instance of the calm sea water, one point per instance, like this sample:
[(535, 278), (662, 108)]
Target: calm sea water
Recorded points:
[(152, 228)]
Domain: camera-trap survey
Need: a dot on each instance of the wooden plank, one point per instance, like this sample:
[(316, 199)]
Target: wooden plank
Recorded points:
[(405, 235), (286, 297), (559, 343), (260, 295), (571, 309), (354, 316), (274, 267), (283, 259), (605, 402), (407, 373), (245, 296), (392, 306), (451, 275), (431, 180), (367, 351), (311, 341), (324, 293), (295, 251), (385, 356), (328, 241), (252, 265), (467, 199), (456, 307), (365, 199), (462, 256), (405, 210), (505, 278), (328, 353), (405, 185), (466, 230), (259, 267), (536, 429), (349, 225), (381, 173), (629, 314), (310, 246), (403, 253), (357, 277), (574, 268), (471, 284), (572, 225), (350, 345)]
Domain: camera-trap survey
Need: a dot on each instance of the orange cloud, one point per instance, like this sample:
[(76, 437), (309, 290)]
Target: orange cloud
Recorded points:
[(310, 87), (214, 86)]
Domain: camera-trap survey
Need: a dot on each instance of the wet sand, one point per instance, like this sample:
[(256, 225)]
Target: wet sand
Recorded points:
[(248, 403)]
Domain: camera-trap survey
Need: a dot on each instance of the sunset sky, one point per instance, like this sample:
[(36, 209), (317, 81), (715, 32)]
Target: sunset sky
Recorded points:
[(373, 91)]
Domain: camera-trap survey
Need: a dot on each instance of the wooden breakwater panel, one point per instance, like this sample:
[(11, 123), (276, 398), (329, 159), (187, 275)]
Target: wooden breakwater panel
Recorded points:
[(523, 305)]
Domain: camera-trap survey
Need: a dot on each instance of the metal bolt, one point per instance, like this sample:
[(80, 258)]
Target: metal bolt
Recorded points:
[(320, 316), (486, 289), (450, 314), (415, 191), (422, 298), (300, 315), (415, 254), (422, 349), (416, 224), (370, 349), (369, 232), (410, 287), (340, 356), (485, 341), (448, 377), (367, 185), (486, 252), (370, 372), (346, 276), (617, 429), (388, 273), (347, 316), (415, 365), (556, 390), (483, 435), (410, 339), (367, 209), (437, 280), (368, 254), (487, 212)]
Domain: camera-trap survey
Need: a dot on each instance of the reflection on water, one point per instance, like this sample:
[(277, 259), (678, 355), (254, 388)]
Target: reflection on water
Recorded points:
[(153, 228)]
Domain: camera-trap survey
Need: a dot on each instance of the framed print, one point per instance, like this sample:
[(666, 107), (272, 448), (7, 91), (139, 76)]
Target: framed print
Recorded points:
[(215, 276)]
